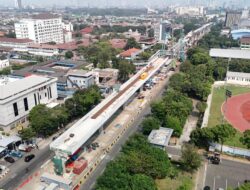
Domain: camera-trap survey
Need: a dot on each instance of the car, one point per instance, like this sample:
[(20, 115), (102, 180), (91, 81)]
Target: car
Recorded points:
[(9, 159), (54, 138), (29, 157), (16, 154), (207, 188)]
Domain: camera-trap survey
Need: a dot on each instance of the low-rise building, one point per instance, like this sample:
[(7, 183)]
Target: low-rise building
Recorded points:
[(130, 54), (15, 44), (238, 78), (43, 50), (160, 137), (245, 42), (19, 96), (4, 62), (80, 79)]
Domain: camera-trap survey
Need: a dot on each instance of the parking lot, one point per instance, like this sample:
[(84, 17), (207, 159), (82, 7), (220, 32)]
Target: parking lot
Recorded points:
[(227, 174)]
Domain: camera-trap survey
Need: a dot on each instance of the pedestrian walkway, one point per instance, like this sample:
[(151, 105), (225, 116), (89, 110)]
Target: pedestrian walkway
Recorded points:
[(190, 125)]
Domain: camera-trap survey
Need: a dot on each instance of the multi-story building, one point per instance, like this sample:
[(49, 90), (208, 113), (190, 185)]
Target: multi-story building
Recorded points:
[(192, 11), (19, 96), (165, 31), (80, 79), (232, 19), (41, 28), (18, 4)]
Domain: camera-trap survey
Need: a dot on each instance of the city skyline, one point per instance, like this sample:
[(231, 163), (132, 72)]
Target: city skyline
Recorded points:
[(123, 4)]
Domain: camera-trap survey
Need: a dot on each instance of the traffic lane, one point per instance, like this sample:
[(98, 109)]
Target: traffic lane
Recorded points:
[(226, 174), (18, 172)]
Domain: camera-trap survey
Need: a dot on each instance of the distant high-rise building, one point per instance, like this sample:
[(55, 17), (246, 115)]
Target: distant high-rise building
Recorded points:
[(163, 31), (41, 28), (233, 19), (18, 4)]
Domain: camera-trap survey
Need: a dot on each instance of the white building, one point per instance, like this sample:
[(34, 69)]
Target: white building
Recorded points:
[(16, 44), (80, 79), (68, 27), (42, 28), (19, 96), (4, 62), (160, 137), (192, 11), (43, 50), (238, 78)]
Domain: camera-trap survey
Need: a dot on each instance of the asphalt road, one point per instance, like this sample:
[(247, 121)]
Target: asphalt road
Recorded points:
[(18, 173), (227, 174)]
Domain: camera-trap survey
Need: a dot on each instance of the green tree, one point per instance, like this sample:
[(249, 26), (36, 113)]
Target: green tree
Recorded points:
[(5, 71), (246, 138), (27, 134), (174, 123), (202, 137), (190, 159), (245, 186), (41, 120), (201, 106), (131, 43), (151, 33), (148, 124), (140, 181), (223, 132), (69, 54), (125, 69)]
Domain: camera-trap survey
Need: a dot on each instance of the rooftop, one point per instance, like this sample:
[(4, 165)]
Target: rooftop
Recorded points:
[(118, 43), (245, 40), (15, 40), (161, 136), (5, 141), (130, 52), (14, 87), (238, 74), (230, 53)]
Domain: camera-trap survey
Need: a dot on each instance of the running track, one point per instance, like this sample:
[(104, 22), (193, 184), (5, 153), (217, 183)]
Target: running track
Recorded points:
[(236, 110)]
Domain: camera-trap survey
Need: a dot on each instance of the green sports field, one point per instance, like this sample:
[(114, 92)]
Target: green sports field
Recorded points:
[(215, 116)]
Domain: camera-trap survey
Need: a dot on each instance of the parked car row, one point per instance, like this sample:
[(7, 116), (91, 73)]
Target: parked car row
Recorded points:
[(27, 158)]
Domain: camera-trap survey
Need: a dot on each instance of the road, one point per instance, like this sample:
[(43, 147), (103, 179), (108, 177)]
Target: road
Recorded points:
[(227, 174), (90, 182), (18, 173)]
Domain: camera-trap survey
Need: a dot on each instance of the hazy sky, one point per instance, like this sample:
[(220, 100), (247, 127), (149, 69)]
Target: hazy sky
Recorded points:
[(115, 3)]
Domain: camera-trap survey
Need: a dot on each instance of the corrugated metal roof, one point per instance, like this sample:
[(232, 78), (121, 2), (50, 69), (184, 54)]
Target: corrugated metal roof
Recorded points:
[(230, 53)]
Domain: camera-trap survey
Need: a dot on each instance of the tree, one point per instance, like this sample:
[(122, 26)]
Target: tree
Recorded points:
[(174, 123), (52, 43), (131, 43), (223, 132), (201, 106), (10, 35), (140, 181), (246, 138), (5, 71), (69, 54), (245, 186), (27, 134), (151, 33), (41, 120), (125, 69), (190, 159), (148, 124)]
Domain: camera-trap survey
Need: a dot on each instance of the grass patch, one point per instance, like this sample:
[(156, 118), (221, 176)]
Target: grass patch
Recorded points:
[(215, 117), (183, 178)]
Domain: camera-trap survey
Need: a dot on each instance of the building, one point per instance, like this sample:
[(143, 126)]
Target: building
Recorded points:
[(19, 96), (130, 53), (130, 34), (106, 77), (80, 79), (191, 11), (68, 26), (55, 69), (237, 34), (118, 43), (165, 31), (4, 62), (238, 78), (18, 4), (43, 50), (245, 42), (160, 137), (16, 44), (232, 19), (41, 28)]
